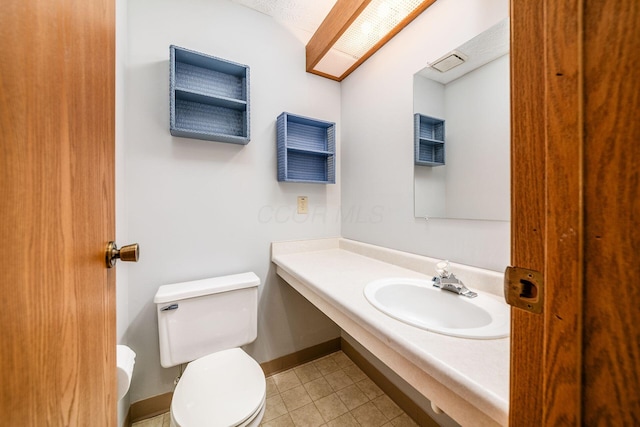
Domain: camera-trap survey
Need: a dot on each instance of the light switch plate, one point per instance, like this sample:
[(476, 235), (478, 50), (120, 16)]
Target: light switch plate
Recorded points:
[(303, 205)]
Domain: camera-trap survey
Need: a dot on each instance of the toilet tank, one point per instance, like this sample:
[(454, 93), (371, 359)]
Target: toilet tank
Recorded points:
[(204, 316)]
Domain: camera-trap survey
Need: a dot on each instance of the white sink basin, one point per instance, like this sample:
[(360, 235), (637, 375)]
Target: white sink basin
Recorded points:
[(419, 303)]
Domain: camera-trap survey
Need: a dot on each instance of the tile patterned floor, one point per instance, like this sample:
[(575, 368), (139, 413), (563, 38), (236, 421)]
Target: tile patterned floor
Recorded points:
[(327, 392), (163, 420)]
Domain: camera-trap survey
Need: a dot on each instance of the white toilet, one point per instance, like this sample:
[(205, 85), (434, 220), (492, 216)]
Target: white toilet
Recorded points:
[(204, 322)]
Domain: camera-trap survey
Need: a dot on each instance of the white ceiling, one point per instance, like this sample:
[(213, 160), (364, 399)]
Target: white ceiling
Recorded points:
[(480, 50), (298, 15)]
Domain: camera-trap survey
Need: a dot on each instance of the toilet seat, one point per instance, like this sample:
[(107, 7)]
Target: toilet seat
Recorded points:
[(226, 388)]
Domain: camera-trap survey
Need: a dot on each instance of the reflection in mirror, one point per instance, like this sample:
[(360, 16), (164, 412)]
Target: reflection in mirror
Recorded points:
[(473, 100)]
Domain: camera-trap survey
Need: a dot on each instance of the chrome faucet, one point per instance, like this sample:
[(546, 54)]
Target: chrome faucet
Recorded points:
[(447, 281)]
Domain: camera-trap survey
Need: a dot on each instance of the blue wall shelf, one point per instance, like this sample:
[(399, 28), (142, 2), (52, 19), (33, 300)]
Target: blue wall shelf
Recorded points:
[(306, 149), (209, 97), (429, 140)]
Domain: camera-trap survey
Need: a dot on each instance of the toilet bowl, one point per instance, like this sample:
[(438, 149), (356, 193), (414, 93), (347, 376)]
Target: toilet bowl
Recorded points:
[(204, 322), (228, 384)]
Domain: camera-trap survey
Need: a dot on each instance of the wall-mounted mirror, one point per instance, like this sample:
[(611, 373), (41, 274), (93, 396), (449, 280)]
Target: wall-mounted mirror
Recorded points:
[(471, 178)]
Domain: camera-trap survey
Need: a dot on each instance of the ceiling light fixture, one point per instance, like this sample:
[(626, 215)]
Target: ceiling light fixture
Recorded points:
[(354, 30)]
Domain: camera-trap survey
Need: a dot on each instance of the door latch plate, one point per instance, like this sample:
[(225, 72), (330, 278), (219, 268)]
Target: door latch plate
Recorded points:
[(524, 289)]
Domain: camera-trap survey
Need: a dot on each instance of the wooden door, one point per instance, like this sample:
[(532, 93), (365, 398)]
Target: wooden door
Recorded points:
[(576, 210), (57, 315)]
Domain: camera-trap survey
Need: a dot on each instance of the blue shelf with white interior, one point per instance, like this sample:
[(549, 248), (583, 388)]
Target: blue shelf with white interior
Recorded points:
[(428, 140), (306, 149), (209, 97)]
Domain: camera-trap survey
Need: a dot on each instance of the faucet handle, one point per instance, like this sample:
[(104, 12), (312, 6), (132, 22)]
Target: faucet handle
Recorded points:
[(442, 268)]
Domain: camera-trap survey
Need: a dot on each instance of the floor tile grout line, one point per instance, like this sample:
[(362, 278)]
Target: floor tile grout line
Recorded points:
[(334, 391)]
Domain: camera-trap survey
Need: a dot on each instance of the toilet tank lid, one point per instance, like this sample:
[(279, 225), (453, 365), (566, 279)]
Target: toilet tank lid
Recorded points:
[(196, 288)]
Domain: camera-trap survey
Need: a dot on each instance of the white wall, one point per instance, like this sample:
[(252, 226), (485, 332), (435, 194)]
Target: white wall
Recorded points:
[(377, 142), (122, 288), (201, 209)]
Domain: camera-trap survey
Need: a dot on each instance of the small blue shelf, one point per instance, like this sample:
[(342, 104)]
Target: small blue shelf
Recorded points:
[(209, 97), (310, 152), (428, 140), (234, 104), (306, 149)]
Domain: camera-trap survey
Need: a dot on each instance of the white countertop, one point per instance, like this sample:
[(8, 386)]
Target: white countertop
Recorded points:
[(467, 378)]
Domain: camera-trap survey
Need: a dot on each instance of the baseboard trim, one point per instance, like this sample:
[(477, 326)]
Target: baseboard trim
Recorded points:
[(419, 415), (302, 356), (149, 408)]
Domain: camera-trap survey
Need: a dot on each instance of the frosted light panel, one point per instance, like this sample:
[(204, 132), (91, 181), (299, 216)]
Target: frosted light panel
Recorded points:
[(373, 24)]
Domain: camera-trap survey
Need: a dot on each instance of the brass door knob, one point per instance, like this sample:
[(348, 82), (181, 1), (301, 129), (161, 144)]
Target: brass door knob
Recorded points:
[(129, 253)]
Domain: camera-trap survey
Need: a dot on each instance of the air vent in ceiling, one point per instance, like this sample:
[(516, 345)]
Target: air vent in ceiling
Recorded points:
[(449, 61)]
